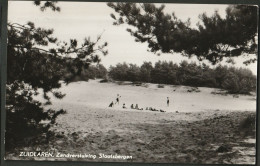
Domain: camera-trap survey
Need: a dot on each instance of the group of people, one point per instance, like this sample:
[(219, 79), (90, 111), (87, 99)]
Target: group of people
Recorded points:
[(136, 106), (154, 109)]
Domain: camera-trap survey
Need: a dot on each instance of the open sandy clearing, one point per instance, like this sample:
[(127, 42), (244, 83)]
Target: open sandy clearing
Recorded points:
[(99, 95), (202, 132)]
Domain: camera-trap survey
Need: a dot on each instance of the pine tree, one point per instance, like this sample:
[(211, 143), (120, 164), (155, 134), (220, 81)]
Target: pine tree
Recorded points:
[(36, 59), (214, 39)]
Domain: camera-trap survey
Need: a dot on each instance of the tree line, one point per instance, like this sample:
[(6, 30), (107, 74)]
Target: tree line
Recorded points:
[(234, 80), (92, 72)]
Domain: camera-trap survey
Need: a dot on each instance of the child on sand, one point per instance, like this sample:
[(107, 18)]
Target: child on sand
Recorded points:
[(117, 99), (111, 104)]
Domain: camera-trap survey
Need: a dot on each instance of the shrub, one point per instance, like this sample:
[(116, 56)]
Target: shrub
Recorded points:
[(237, 84), (103, 80), (248, 123), (160, 86)]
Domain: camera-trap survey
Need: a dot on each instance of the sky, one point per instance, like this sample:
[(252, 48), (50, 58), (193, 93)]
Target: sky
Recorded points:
[(78, 20)]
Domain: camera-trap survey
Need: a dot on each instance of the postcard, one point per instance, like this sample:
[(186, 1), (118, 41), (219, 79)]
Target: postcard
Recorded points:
[(131, 82)]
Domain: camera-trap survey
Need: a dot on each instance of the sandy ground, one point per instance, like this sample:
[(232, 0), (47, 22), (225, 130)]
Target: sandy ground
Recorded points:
[(204, 123), (100, 95)]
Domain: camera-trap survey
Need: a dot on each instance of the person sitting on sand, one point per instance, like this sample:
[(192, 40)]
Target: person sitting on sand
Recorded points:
[(132, 106), (124, 105), (136, 106), (111, 104)]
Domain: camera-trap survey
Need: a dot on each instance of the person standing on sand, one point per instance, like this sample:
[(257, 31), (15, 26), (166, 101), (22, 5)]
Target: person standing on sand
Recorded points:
[(117, 99), (168, 101)]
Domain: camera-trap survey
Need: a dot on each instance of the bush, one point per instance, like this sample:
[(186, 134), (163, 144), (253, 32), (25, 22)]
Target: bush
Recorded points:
[(137, 83), (248, 123), (103, 81), (160, 86), (247, 126), (237, 84), (193, 89)]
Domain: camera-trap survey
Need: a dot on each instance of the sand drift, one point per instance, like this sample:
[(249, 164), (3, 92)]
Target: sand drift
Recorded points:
[(100, 95)]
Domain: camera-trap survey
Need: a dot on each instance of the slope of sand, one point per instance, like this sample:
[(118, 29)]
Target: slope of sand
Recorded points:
[(204, 124)]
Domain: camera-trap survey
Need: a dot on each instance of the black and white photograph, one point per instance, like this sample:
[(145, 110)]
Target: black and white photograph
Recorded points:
[(131, 82)]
